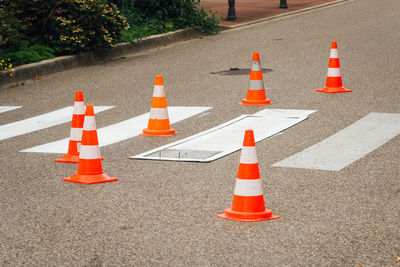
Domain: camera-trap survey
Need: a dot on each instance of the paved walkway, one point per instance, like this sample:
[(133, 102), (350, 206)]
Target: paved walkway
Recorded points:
[(248, 10)]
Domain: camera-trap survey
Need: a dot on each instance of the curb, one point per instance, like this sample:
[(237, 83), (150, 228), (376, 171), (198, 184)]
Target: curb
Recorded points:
[(29, 71)]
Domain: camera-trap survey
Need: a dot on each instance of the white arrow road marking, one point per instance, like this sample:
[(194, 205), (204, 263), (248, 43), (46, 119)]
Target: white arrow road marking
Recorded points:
[(350, 144), (8, 108), (227, 137), (121, 131), (40, 122)]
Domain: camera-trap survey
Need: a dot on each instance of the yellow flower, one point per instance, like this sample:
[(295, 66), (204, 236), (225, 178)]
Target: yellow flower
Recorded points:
[(5, 68), (2, 60), (11, 74), (12, 69)]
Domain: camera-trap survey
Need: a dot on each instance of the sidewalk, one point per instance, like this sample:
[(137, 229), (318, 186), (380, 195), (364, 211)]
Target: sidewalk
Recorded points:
[(249, 10)]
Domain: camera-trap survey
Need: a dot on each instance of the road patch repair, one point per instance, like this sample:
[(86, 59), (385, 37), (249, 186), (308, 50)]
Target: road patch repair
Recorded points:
[(347, 146), (226, 138), (40, 122), (120, 131), (8, 108)]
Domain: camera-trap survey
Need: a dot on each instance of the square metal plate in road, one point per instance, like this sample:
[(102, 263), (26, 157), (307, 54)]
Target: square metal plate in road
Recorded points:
[(227, 137)]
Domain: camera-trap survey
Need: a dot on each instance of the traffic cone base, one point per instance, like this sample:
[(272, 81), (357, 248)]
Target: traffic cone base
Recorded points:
[(248, 216), (68, 158), (90, 179), (147, 132), (334, 90), (256, 102)]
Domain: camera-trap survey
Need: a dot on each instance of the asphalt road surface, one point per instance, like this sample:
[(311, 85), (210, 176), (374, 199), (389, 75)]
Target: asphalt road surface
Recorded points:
[(164, 213)]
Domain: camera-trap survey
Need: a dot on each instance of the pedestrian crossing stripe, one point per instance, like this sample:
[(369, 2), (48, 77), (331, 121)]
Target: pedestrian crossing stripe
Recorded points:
[(40, 122), (8, 108), (120, 131), (348, 145), (333, 153)]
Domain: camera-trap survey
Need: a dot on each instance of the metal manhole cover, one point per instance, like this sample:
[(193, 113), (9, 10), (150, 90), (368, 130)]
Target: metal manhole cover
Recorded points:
[(237, 71)]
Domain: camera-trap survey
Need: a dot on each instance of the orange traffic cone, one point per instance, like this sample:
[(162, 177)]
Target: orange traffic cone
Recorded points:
[(256, 90), (248, 200), (334, 78), (75, 136), (159, 121), (90, 170)]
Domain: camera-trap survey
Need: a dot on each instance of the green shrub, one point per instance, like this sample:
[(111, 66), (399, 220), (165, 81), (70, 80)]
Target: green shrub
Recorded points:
[(11, 29), (158, 16), (68, 26), (33, 30), (86, 24), (28, 55)]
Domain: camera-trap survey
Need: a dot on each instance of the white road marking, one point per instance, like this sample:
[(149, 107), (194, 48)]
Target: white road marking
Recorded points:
[(121, 131), (350, 144), (40, 122), (8, 108), (227, 137)]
